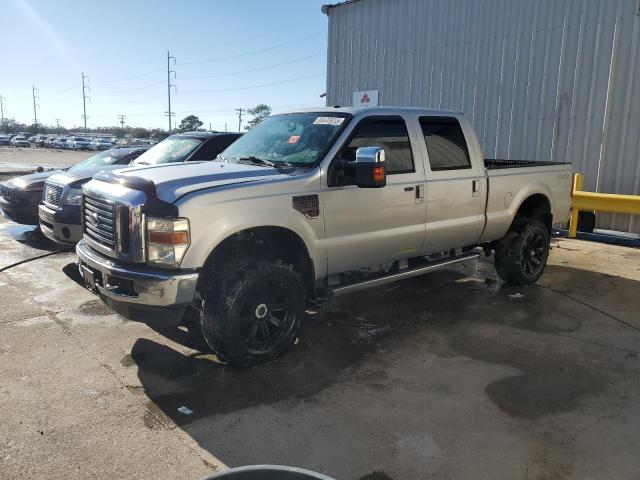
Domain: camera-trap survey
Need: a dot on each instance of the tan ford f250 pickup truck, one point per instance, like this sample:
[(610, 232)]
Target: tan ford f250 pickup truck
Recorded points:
[(311, 204)]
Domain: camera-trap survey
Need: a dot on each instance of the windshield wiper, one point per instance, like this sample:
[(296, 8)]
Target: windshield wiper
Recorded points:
[(256, 161)]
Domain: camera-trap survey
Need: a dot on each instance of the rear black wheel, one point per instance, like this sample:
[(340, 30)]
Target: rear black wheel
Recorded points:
[(252, 313), (521, 255)]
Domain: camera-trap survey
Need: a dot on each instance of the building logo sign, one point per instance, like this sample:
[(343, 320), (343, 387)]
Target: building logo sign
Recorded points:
[(365, 98)]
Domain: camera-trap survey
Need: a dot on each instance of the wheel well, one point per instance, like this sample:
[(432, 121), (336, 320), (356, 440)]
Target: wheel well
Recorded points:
[(537, 206), (265, 243)]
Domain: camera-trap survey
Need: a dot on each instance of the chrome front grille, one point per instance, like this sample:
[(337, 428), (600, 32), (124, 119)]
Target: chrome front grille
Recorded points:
[(99, 221), (6, 192), (52, 194)]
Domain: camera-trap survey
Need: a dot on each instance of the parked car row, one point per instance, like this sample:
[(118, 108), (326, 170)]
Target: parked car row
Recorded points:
[(305, 206), (73, 142), (57, 192)]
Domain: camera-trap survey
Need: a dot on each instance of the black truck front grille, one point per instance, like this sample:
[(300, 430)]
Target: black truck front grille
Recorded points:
[(6, 192), (52, 194)]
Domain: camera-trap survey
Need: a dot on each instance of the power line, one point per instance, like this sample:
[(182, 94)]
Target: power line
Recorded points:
[(252, 86), (239, 72), (64, 99), (133, 89), (130, 77), (252, 52), (138, 100)]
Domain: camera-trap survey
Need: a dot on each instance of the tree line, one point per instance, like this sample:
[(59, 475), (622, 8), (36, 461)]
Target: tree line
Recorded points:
[(188, 124)]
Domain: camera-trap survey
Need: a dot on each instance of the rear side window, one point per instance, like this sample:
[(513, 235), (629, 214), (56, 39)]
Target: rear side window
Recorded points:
[(391, 134), (446, 145), (214, 147)]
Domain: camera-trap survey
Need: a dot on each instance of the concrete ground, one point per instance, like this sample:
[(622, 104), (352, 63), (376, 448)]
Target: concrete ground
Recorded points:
[(448, 376), (12, 158)]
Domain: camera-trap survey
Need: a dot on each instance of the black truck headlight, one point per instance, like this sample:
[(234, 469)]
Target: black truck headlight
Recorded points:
[(167, 240), (72, 197)]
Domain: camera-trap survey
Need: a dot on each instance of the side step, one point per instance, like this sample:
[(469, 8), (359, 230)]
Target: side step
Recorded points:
[(394, 277)]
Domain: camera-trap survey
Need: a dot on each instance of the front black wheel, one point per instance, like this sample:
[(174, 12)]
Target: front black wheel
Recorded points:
[(252, 313), (521, 255)]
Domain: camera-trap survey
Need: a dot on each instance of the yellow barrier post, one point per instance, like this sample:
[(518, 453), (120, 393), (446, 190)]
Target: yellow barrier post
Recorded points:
[(598, 202), (576, 186)]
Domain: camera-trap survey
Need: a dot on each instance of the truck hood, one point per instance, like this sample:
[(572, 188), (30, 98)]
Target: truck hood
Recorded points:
[(76, 178), (173, 180), (34, 181)]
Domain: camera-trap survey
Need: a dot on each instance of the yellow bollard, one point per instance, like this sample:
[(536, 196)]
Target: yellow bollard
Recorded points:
[(576, 187)]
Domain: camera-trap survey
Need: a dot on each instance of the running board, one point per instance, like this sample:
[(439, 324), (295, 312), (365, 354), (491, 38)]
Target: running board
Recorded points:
[(394, 277)]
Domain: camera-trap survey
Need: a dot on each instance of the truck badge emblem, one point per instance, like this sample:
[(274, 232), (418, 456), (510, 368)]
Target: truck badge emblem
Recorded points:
[(93, 219)]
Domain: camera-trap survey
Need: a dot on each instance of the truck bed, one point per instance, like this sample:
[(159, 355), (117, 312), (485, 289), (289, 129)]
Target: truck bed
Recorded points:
[(498, 163)]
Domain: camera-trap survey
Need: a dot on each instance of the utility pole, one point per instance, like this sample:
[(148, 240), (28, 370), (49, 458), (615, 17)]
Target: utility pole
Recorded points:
[(58, 124), (121, 119), (84, 100), (35, 113), (225, 127), (169, 113), (239, 110)]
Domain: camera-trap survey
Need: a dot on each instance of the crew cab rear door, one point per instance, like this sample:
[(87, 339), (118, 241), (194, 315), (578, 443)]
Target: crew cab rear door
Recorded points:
[(456, 182), (373, 226)]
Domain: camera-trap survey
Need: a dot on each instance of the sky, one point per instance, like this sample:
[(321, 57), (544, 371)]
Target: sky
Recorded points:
[(228, 55)]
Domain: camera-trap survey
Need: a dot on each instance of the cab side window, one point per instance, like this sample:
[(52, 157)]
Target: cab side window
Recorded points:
[(391, 134), (213, 147), (446, 145)]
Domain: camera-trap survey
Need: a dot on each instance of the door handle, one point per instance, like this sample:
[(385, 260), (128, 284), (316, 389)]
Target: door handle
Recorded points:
[(408, 189), (475, 188)]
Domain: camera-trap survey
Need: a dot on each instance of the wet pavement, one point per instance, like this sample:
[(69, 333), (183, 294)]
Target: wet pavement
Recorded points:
[(452, 375)]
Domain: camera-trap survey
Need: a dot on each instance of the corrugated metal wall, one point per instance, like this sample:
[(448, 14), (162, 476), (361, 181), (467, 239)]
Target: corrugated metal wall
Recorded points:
[(540, 79)]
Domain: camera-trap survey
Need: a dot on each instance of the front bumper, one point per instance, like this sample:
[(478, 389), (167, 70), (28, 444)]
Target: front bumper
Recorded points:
[(137, 284), (22, 209), (57, 225)]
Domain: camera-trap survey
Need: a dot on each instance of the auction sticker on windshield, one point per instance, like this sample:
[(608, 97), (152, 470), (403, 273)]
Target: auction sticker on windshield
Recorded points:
[(328, 121)]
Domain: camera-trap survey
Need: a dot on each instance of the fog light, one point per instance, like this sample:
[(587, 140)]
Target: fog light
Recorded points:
[(66, 232)]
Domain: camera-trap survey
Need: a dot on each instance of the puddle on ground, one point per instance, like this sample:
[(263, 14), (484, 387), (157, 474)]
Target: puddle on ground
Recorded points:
[(95, 307), (376, 476), (539, 393), (30, 236), (438, 312)]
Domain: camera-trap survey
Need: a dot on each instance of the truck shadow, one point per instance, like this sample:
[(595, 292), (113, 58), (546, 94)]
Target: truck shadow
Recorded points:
[(352, 329), (31, 236), (373, 345)]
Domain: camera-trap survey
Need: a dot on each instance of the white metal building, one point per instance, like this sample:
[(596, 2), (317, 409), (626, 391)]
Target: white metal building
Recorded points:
[(540, 79)]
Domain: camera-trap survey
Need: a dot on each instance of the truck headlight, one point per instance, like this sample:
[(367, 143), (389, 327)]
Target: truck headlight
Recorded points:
[(167, 240), (72, 197)]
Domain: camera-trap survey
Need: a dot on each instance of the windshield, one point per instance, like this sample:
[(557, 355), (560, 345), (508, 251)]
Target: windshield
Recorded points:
[(102, 159), (171, 149), (296, 138)]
